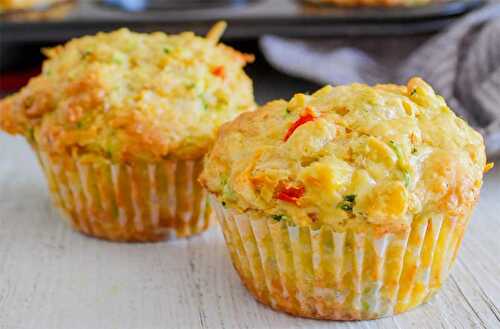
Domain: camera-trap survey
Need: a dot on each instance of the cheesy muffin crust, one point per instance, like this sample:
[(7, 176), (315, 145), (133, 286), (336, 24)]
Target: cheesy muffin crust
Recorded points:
[(10, 5), (349, 157), (120, 122), (128, 96)]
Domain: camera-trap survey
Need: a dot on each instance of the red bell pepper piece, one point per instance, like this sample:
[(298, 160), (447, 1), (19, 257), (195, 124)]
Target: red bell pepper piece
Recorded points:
[(305, 117), (219, 71), (290, 194)]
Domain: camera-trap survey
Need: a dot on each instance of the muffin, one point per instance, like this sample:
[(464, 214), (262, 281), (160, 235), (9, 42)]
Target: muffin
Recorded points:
[(8, 5), (371, 3), (120, 122), (32, 10), (347, 204)]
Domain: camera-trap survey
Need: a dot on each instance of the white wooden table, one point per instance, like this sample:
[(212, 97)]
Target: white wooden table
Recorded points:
[(52, 277)]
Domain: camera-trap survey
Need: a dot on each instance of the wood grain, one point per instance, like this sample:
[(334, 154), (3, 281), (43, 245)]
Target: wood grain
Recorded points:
[(52, 277)]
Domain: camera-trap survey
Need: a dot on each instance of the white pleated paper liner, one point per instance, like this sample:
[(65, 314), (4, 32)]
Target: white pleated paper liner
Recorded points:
[(138, 202), (340, 275)]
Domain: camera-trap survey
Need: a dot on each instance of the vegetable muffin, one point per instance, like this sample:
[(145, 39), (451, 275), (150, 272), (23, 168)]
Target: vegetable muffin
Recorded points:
[(29, 10), (6, 5), (350, 203), (120, 122)]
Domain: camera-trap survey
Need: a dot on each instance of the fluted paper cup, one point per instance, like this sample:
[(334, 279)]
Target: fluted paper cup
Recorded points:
[(350, 275), (129, 202)]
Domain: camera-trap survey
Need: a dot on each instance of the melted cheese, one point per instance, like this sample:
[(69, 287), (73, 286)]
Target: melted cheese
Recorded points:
[(380, 155), (130, 96)]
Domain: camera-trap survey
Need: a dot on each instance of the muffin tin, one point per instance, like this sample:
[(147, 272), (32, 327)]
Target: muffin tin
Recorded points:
[(247, 19)]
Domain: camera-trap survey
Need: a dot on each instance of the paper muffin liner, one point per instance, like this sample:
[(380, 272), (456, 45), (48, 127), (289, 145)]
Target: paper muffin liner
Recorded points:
[(129, 202), (351, 275)]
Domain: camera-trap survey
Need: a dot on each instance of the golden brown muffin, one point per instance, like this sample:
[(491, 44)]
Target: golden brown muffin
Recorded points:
[(121, 121), (6, 5), (347, 204), (31, 10)]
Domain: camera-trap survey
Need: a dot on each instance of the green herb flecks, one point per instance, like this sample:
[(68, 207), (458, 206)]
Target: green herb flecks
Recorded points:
[(345, 206), (117, 59), (402, 164), (111, 150), (406, 178), (167, 50), (279, 218), (227, 191), (395, 149), (204, 102), (350, 198), (223, 180), (85, 54), (30, 134), (348, 202)]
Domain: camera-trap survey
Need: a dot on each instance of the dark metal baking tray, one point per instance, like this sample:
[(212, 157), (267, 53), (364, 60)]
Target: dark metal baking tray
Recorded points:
[(247, 19)]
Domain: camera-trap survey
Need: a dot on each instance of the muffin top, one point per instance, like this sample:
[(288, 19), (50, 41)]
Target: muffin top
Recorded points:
[(130, 96), (6, 5), (348, 156)]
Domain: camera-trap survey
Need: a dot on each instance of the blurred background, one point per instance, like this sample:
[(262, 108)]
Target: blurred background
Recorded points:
[(387, 30)]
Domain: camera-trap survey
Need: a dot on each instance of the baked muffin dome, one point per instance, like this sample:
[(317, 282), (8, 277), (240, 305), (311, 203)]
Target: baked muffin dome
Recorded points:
[(10, 5), (348, 157), (129, 96), (347, 204), (120, 123)]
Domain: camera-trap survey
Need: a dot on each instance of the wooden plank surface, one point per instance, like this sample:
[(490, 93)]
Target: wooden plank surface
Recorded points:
[(52, 277)]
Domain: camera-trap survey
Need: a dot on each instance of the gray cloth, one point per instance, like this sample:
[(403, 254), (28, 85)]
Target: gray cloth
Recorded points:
[(462, 63)]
